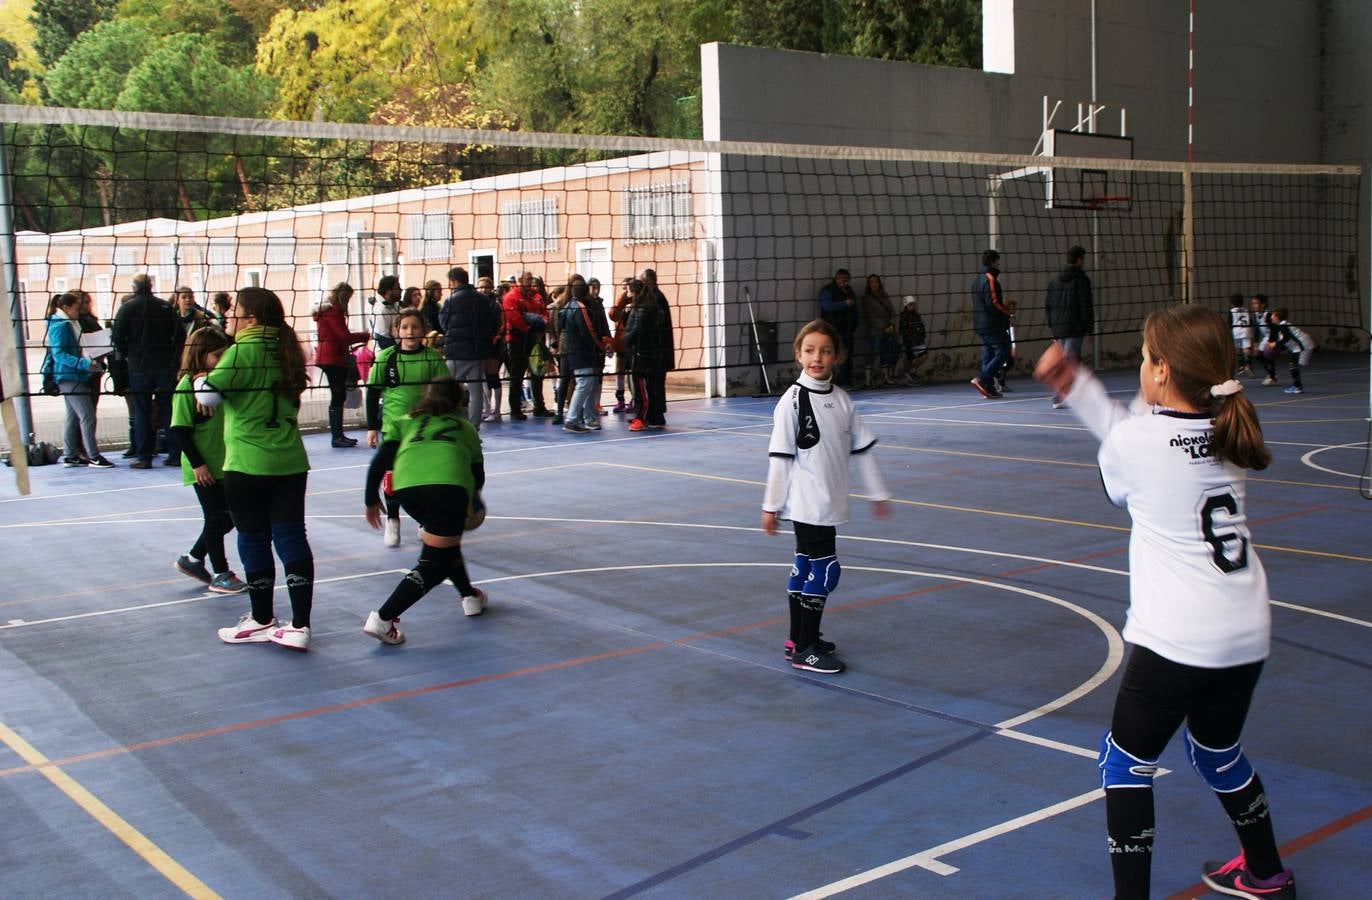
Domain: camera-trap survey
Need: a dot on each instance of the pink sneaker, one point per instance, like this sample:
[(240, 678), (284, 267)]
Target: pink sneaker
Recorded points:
[(290, 637), (1234, 879), (247, 631)]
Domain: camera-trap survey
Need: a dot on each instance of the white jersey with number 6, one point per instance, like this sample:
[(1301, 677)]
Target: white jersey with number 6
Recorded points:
[(1197, 590)]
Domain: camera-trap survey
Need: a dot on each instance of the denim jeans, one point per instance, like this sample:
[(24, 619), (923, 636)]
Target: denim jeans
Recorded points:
[(995, 354), (152, 395), (582, 408), (1072, 345)]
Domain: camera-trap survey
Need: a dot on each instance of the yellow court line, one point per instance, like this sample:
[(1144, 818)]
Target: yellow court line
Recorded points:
[(136, 841)]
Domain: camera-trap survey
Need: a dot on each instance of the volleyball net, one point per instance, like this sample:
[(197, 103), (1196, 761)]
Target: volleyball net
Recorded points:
[(742, 236)]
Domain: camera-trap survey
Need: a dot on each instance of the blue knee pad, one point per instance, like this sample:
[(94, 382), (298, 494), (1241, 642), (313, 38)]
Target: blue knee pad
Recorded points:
[(291, 545), (800, 570), (824, 573), (1226, 770), (255, 550), (1121, 769)]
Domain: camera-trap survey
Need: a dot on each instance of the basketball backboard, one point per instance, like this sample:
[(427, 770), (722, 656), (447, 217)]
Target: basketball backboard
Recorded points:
[(1087, 188)]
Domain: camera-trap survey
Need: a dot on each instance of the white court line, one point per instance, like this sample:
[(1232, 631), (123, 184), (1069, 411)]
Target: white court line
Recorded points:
[(1307, 458), (929, 859), (22, 623)]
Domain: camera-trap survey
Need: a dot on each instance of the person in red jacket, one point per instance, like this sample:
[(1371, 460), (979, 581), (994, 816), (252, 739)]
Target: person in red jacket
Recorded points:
[(526, 322), (333, 355)]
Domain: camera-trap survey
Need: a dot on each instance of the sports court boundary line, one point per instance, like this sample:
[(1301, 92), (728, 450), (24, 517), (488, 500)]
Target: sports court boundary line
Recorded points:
[(134, 839), (1292, 847)]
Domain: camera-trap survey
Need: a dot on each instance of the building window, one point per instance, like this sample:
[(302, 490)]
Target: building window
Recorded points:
[(529, 226), (223, 255), (658, 212), (280, 248), (38, 270), (428, 236)]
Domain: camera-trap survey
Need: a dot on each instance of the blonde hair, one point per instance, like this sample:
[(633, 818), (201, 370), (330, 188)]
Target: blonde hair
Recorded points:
[(819, 326), (1199, 349)]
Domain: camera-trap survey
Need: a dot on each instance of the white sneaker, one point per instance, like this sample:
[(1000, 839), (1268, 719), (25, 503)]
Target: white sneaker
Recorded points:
[(390, 535), (247, 631), (383, 631), (1059, 404), (1269, 381), (291, 637), (474, 605)]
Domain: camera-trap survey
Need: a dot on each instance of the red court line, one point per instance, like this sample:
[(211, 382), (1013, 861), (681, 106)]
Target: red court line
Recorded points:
[(1293, 846), (252, 724), (323, 710)]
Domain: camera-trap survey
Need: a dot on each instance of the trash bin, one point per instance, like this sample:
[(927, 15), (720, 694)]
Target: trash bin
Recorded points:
[(767, 337)]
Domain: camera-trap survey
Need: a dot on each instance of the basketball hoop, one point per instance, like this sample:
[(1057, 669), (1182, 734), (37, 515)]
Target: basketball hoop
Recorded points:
[(1112, 201)]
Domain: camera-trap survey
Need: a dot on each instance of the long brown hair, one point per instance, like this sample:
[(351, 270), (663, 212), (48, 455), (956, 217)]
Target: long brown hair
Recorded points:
[(443, 397), (1199, 349), (264, 306), (201, 343)]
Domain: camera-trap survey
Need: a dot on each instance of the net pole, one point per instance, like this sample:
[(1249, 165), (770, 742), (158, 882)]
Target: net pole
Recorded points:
[(1188, 253), (14, 407)]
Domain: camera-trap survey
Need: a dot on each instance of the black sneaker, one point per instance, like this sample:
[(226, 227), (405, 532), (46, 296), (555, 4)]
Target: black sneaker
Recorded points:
[(195, 568), (100, 462), (128, 454), (1234, 879), (813, 659), (141, 464), (74, 462), (823, 645)]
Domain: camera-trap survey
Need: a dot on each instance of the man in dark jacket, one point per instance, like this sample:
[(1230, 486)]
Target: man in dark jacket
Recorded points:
[(991, 320), (145, 334), (469, 330), (1071, 314), (838, 307)]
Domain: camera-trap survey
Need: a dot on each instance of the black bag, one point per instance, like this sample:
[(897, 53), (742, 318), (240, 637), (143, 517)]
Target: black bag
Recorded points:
[(40, 454)]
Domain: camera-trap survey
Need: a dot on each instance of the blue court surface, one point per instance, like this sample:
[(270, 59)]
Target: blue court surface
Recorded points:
[(621, 721)]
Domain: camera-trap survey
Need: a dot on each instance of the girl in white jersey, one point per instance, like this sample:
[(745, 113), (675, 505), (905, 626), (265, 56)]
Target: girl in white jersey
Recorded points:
[(1198, 607), (815, 431)]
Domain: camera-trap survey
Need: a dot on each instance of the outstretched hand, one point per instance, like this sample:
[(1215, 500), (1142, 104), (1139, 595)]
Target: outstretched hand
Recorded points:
[(1056, 369)]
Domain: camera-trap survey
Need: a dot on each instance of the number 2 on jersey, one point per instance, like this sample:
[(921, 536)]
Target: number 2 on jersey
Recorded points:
[(443, 434)]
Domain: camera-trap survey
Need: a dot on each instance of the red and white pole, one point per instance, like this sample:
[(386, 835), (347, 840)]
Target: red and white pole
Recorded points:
[(1190, 80)]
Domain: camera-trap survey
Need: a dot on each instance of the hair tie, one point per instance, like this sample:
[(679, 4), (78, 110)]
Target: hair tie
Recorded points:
[(1226, 388)]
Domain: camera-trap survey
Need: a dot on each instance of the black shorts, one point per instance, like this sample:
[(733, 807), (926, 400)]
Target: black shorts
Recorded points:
[(440, 509), (816, 541)]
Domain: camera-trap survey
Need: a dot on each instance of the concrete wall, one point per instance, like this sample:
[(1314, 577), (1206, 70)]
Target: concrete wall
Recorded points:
[(1262, 95)]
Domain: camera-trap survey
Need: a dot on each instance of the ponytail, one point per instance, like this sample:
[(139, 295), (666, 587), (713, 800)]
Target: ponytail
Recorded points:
[(1238, 436), (1199, 347)]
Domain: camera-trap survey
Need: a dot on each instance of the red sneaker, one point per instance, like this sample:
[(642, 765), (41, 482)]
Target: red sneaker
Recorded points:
[(637, 425)]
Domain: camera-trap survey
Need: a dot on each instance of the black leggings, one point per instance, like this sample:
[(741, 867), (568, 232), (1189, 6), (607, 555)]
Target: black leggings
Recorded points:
[(1157, 695), (215, 507), (337, 377), (270, 510), (816, 541)]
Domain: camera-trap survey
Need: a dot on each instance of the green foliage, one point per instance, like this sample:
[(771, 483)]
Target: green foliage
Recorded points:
[(92, 72), (12, 76), (232, 35), (58, 23), (600, 66), (343, 59), (939, 32), (184, 75)]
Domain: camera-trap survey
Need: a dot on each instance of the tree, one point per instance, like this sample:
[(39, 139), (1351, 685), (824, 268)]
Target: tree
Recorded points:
[(12, 76), (343, 59), (939, 32), (92, 72), (598, 66), (233, 37), (58, 23)]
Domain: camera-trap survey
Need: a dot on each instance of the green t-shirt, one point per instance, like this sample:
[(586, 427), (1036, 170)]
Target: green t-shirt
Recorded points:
[(261, 431), (403, 378), (435, 450), (209, 431)]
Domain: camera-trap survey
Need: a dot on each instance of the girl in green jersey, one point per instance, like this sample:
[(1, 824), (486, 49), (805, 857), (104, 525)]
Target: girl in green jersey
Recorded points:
[(199, 432), (259, 381), (434, 458), (396, 383)]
